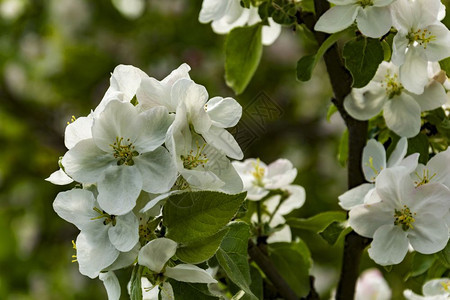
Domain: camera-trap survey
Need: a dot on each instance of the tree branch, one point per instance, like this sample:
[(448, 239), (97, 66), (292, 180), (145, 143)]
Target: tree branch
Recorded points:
[(341, 82)]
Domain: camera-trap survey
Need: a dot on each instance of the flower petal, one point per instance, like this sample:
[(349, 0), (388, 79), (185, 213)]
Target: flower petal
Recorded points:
[(224, 112), (125, 259), (189, 273), (223, 141), (125, 234), (295, 200), (439, 48), (280, 173), (212, 10), (59, 178), (413, 72), (402, 115), (155, 254), (119, 188), (399, 153), (365, 103), (78, 130), (366, 219), (167, 291), (337, 18), (433, 96), (355, 196), (394, 186), (112, 285), (373, 160), (389, 245), (126, 79), (374, 21), (431, 198), (399, 45), (270, 33), (439, 167), (153, 127), (429, 235)]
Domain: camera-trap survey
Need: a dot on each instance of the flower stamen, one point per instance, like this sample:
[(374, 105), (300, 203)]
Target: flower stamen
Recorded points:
[(365, 3), (421, 38), (404, 217), (425, 178), (392, 85), (124, 153), (108, 218), (258, 173), (191, 161)]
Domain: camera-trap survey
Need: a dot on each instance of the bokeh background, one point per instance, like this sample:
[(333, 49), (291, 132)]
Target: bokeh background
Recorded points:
[(56, 57)]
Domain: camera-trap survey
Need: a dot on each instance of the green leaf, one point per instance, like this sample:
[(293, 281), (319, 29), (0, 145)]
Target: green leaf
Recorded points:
[(445, 65), (444, 256), (257, 284), (318, 222), (343, 149), (135, 288), (293, 261), (192, 216), (419, 144), (243, 50), (201, 250), (307, 63), (420, 264), (331, 111), (332, 232), (387, 52), (232, 256), (189, 291), (307, 6), (362, 58)]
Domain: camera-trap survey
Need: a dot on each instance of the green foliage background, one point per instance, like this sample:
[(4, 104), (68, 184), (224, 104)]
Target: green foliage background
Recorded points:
[(55, 60)]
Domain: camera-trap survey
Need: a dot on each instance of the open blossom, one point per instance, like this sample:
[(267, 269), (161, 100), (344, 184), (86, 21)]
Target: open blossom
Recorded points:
[(373, 162), (421, 38), (437, 170), (371, 285), (227, 15), (435, 289), (124, 156), (373, 17), (401, 107), (405, 216), (103, 236)]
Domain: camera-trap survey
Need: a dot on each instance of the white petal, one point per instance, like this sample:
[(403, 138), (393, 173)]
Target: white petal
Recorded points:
[(283, 235), (153, 126), (436, 287), (337, 18), (363, 104), (355, 196), (280, 173), (224, 112), (295, 200), (413, 73), (152, 93), (394, 186), (399, 153), (373, 160), (125, 234), (167, 291), (112, 285), (223, 141), (212, 10), (343, 2), (381, 3), (125, 259), (389, 245), (399, 46), (59, 178), (236, 16), (78, 130), (155, 254), (189, 273), (431, 198), (410, 295), (270, 33), (429, 235), (158, 170), (366, 219), (433, 96), (402, 115), (86, 162), (77, 207), (119, 189), (127, 79), (374, 21), (410, 162), (95, 252), (439, 48), (440, 166)]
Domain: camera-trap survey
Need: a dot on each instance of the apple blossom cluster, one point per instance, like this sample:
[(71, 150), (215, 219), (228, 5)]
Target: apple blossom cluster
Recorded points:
[(227, 15), (272, 186), (404, 204), (146, 140), (405, 87), (435, 289)]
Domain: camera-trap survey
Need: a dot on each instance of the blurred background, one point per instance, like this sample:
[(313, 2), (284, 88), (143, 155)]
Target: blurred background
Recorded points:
[(56, 57)]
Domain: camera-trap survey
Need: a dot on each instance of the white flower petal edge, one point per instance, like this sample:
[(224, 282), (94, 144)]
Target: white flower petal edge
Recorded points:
[(112, 285), (59, 177), (337, 18), (155, 254), (189, 273)]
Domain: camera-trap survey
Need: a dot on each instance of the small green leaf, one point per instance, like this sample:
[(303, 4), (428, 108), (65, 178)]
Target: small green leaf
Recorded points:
[(420, 264), (135, 288), (318, 222), (332, 232), (445, 65), (307, 6), (332, 109), (243, 50), (189, 291), (232, 256), (192, 216), (306, 64), (293, 261), (201, 250), (343, 149), (362, 58), (386, 50)]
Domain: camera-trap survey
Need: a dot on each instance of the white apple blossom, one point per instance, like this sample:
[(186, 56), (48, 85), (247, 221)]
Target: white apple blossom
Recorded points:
[(372, 285), (227, 15), (373, 162), (401, 108), (373, 17), (435, 289), (155, 255), (437, 170), (124, 156), (406, 215), (421, 38), (103, 236)]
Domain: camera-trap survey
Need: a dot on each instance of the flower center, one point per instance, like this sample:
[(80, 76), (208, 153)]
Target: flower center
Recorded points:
[(108, 218), (404, 218), (392, 85), (446, 286), (192, 161), (258, 173), (371, 166), (421, 38), (124, 152), (425, 178), (365, 3)]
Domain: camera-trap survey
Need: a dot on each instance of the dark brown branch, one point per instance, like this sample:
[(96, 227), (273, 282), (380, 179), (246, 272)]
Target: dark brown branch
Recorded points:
[(271, 272), (341, 82)]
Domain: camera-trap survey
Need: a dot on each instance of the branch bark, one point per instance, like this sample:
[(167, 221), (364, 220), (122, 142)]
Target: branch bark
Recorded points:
[(341, 82)]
